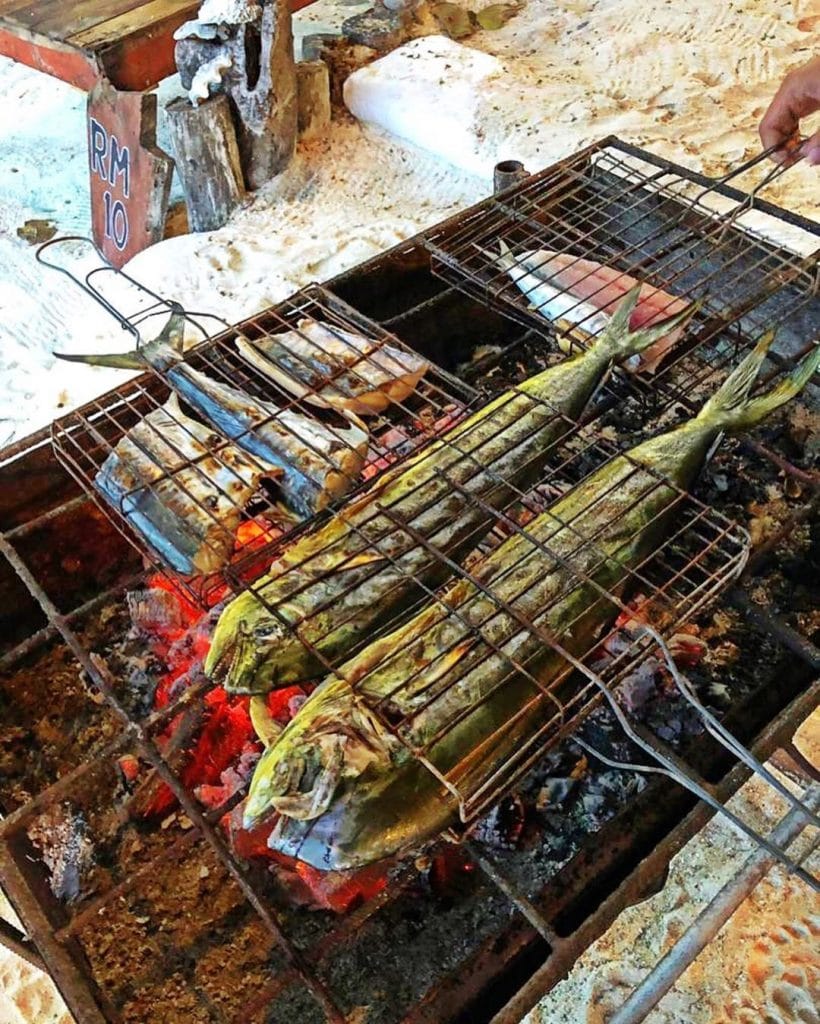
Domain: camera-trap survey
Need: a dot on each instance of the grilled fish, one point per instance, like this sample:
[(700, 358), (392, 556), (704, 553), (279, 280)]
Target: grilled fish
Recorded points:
[(585, 293), (317, 463), (334, 587), (181, 488), (333, 368), (348, 791)]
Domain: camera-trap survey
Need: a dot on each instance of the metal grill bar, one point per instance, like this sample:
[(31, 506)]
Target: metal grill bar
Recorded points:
[(86, 440), (609, 204)]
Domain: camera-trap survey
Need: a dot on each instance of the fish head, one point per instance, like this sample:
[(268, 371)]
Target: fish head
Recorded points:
[(243, 653), (347, 792), (331, 741), (381, 815)]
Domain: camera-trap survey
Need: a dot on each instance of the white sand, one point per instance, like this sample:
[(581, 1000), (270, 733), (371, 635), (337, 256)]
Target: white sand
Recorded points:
[(762, 968)]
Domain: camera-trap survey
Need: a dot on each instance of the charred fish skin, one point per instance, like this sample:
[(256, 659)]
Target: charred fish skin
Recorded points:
[(332, 589), (317, 464), (309, 455), (334, 368), (184, 501), (374, 798)]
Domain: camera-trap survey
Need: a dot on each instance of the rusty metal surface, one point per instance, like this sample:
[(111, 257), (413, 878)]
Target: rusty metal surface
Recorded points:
[(58, 943)]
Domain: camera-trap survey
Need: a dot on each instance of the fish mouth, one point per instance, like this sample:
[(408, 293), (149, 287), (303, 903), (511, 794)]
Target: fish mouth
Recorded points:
[(239, 662), (313, 843)]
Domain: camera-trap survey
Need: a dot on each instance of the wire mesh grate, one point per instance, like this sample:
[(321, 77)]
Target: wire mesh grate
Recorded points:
[(521, 616), (213, 460), (592, 225)]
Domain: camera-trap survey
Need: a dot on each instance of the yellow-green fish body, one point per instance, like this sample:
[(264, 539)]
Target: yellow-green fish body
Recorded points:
[(327, 593), (349, 791)]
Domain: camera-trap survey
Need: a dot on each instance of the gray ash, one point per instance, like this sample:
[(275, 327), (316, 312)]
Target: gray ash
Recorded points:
[(61, 836)]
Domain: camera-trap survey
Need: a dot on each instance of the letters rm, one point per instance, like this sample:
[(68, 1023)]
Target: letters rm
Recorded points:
[(112, 165)]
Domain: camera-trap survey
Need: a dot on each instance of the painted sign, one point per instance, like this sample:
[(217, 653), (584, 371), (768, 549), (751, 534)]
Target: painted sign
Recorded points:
[(130, 176)]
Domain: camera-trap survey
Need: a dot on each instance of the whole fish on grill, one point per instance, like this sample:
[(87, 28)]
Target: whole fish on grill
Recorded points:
[(181, 488), (317, 462), (327, 592), (328, 366), (348, 790), (561, 286)]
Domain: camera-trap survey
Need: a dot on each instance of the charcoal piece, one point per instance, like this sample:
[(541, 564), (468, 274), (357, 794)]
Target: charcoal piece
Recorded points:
[(638, 688), (154, 609), (501, 828)]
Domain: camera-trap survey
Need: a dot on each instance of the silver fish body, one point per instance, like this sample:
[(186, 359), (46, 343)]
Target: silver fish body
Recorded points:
[(328, 366), (181, 488)]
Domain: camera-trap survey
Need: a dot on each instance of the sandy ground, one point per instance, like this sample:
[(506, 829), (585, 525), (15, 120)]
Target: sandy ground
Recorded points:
[(762, 968), (686, 80)]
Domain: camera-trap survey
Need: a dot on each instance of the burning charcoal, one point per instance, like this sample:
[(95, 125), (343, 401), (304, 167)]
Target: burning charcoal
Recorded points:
[(450, 872), (129, 769), (61, 836), (687, 650), (231, 781), (502, 827)]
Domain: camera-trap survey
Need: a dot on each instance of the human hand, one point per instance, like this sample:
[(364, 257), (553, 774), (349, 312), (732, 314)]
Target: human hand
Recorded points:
[(797, 97)]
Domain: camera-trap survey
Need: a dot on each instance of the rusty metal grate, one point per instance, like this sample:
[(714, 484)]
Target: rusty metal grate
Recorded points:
[(219, 477), (683, 572), (694, 238)]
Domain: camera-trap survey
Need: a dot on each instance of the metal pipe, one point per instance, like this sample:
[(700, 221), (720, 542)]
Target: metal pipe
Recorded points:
[(711, 919), (508, 173)]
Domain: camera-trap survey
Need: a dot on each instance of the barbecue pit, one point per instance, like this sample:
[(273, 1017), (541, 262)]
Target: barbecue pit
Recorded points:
[(171, 916)]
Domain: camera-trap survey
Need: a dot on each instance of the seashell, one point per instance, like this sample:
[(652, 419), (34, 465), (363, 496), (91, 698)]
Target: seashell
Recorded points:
[(208, 78)]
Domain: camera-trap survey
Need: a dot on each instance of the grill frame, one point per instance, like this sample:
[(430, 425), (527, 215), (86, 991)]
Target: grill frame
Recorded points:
[(73, 975)]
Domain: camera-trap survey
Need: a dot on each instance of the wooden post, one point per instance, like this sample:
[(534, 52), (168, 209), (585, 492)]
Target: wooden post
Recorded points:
[(130, 176), (262, 85), (313, 89), (207, 159)]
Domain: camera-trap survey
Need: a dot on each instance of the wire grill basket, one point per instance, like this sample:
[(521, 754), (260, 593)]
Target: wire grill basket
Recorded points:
[(156, 451), (640, 218)]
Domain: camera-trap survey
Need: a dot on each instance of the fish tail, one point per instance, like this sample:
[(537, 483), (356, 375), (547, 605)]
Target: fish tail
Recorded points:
[(117, 360), (164, 350), (619, 343), (503, 259), (730, 408)]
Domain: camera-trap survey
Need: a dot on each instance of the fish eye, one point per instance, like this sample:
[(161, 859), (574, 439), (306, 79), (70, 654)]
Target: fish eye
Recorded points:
[(265, 631)]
